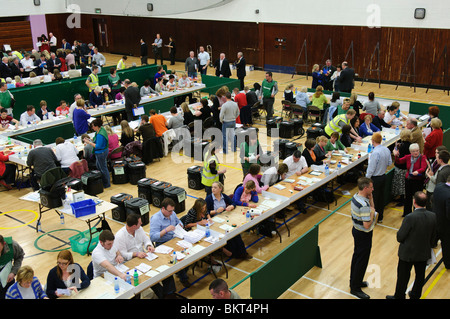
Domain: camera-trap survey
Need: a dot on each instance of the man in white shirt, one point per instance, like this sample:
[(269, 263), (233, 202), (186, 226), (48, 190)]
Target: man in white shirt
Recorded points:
[(29, 116), (66, 154), (73, 106), (106, 256), (98, 58), (132, 241), (204, 59), (27, 64), (52, 42), (296, 163)]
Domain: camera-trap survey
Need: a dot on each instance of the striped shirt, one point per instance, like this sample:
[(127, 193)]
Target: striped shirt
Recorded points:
[(360, 207)]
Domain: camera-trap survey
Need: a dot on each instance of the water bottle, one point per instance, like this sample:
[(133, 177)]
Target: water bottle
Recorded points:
[(39, 226), (116, 285), (339, 165), (327, 170), (136, 277), (174, 258), (384, 138), (207, 232), (61, 218), (369, 148), (397, 130), (9, 140), (128, 277), (247, 215)]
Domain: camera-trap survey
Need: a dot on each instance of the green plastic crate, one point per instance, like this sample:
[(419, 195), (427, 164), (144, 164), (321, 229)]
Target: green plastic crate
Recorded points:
[(79, 243)]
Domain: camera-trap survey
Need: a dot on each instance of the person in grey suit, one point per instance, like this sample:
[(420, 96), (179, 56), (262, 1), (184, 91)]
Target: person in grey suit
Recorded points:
[(417, 236), (441, 207)]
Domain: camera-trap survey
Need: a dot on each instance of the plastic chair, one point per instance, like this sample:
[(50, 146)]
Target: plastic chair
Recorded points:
[(286, 108)]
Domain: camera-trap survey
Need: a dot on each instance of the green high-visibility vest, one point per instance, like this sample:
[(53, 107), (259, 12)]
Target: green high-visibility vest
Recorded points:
[(267, 88)]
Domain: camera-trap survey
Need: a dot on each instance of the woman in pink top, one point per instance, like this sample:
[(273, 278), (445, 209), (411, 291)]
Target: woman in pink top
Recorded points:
[(253, 175), (113, 143)]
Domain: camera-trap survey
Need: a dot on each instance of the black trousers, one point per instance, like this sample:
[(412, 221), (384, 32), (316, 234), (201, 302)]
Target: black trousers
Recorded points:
[(403, 275), (411, 186), (144, 60), (241, 80), (360, 259), (378, 194), (159, 53), (10, 173)]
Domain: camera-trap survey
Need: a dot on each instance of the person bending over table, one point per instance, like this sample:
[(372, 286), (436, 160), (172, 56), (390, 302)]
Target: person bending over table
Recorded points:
[(274, 174), (6, 120), (100, 144), (96, 98), (218, 202), (334, 144), (253, 175), (66, 275), (66, 154), (310, 155), (80, 118), (162, 227), (106, 256), (245, 194), (41, 159), (7, 171)]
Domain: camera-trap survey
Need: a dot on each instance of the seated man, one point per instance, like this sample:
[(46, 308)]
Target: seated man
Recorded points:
[(296, 164), (145, 129), (6, 120), (273, 175), (40, 159), (66, 154), (62, 109), (73, 72), (29, 116), (162, 226), (106, 256), (132, 241), (159, 122)]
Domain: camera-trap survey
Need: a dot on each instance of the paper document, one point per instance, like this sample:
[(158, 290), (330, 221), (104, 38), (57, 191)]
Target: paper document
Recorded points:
[(163, 249)]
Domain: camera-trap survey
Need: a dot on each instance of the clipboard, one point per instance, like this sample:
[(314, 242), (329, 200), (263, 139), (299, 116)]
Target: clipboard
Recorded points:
[(138, 111)]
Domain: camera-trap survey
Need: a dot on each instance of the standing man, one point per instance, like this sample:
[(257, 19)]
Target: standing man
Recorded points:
[(52, 42), (144, 52), (191, 65), (11, 257), (222, 67), (98, 58), (6, 98), (157, 48), (269, 89), (328, 71), (441, 206), (379, 160), (345, 80), (204, 59), (92, 79), (66, 45), (417, 236), (240, 69), (132, 99), (416, 133), (364, 219), (228, 115)]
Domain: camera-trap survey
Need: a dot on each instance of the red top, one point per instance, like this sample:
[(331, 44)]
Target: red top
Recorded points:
[(3, 158), (420, 165), (433, 140), (241, 100)]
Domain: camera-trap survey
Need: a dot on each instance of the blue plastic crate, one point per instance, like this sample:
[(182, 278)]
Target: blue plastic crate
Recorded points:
[(83, 208)]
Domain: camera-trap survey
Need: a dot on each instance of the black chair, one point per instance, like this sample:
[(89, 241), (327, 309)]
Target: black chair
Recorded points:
[(255, 110), (314, 113), (286, 108), (90, 271)]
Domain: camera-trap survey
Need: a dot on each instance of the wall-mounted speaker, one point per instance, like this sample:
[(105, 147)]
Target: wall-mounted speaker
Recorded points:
[(419, 13), (37, 2), (149, 6)]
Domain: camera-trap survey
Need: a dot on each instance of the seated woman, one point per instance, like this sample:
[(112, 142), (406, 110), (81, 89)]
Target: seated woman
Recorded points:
[(318, 98), (204, 111), (346, 138), (7, 171), (334, 144), (96, 98), (113, 143), (146, 89), (61, 276), (253, 175), (187, 114), (394, 116), (120, 94), (88, 152), (245, 194), (354, 103), (319, 149), (310, 155), (197, 215), (289, 93), (367, 128), (27, 286), (127, 134), (218, 202), (107, 97), (66, 153)]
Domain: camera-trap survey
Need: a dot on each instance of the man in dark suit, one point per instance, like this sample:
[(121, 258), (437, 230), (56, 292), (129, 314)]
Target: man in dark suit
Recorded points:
[(417, 236), (66, 45), (53, 63), (132, 98), (144, 52), (240, 68), (16, 68), (441, 207), (5, 70), (222, 67), (328, 71), (41, 65), (346, 79)]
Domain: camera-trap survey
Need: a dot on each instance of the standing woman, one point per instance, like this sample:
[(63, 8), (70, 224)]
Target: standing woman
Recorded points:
[(44, 43), (434, 139), (114, 81), (172, 50), (416, 165), (211, 168), (250, 151), (318, 76), (66, 275), (100, 144), (398, 181)]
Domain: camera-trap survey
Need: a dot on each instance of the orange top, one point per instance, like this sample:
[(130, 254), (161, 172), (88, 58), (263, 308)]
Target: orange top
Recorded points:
[(159, 123)]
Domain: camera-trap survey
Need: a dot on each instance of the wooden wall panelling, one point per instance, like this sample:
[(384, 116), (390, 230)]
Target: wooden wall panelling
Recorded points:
[(17, 34)]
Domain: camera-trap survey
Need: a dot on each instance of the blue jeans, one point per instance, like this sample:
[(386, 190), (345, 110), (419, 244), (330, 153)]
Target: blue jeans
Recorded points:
[(192, 74), (228, 135), (102, 166)]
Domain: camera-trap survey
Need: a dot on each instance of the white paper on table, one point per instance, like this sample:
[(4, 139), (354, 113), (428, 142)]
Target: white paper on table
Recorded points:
[(226, 227), (179, 232), (121, 267), (180, 255), (143, 268), (279, 187), (184, 244), (162, 268), (218, 219), (151, 256), (163, 249), (65, 292), (152, 273)]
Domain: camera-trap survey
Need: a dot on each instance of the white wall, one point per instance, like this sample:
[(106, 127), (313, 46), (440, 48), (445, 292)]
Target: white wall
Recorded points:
[(13, 8)]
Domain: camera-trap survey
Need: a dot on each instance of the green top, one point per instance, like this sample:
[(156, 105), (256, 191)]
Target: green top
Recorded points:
[(267, 88), (319, 101), (338, 146), (341, 111), (5, 99), (8, 253), (248, 151)]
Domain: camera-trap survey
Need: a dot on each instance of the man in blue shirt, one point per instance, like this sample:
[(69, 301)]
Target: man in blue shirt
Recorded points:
[(379, 160), (157, 48), (162, 227)]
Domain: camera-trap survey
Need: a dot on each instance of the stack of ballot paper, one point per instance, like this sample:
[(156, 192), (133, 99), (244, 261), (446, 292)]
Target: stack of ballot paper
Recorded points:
[(163, 249), (194, 236), (184, 244)]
